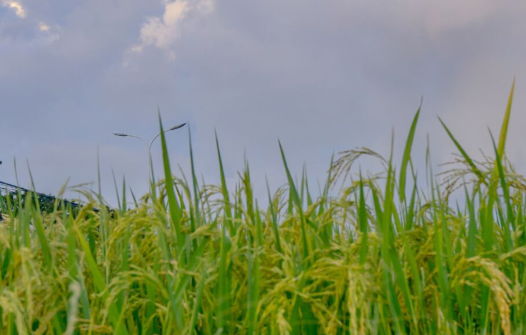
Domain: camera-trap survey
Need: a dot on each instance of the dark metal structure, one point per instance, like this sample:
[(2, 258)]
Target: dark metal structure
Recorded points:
[(6, 188)]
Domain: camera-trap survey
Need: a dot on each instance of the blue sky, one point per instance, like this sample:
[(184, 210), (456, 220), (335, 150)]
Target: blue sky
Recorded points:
[(320, 76)]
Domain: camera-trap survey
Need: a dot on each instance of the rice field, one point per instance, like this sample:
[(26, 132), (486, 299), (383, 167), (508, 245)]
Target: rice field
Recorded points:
[(371, 254)]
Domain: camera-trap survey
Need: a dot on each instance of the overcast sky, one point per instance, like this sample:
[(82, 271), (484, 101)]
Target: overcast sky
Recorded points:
[(321, 76)]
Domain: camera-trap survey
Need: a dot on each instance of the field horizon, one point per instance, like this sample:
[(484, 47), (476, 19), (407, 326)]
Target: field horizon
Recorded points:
[(371, 254)]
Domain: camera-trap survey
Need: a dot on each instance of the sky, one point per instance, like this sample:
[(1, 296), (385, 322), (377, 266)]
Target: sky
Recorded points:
[(321, 77)]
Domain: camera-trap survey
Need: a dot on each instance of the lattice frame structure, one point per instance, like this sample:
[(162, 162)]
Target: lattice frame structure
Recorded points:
[(7, 189)]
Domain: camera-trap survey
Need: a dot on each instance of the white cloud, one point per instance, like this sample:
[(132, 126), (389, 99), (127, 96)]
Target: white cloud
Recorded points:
[(16, 6), (43, 27), (174, 11), (20, 11), (163, 32), (49, 33)]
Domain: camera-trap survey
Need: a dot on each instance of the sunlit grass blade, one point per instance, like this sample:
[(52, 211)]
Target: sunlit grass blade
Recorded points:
[(407, 155), (505, 123), (38, 223), (505, 222), (119, 204), (362, 215), (198, 301), (296, 199), (224, 285), (100, 283), (173, 204), (195, 184), (464, 154), (224, 191), (253, 292), (274, 220)]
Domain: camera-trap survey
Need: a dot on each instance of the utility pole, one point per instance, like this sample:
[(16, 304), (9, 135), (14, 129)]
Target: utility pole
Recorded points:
[(149, 147)]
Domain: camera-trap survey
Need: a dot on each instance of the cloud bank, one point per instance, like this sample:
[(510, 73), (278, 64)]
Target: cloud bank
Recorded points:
[(320, 78), (16, 7), (163, 32)]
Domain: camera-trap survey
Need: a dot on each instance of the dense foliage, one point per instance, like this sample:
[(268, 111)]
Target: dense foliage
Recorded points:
[(381, 256), (12, 201)]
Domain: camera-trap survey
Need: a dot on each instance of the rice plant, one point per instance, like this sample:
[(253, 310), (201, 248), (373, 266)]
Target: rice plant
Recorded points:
[(371, 254)]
